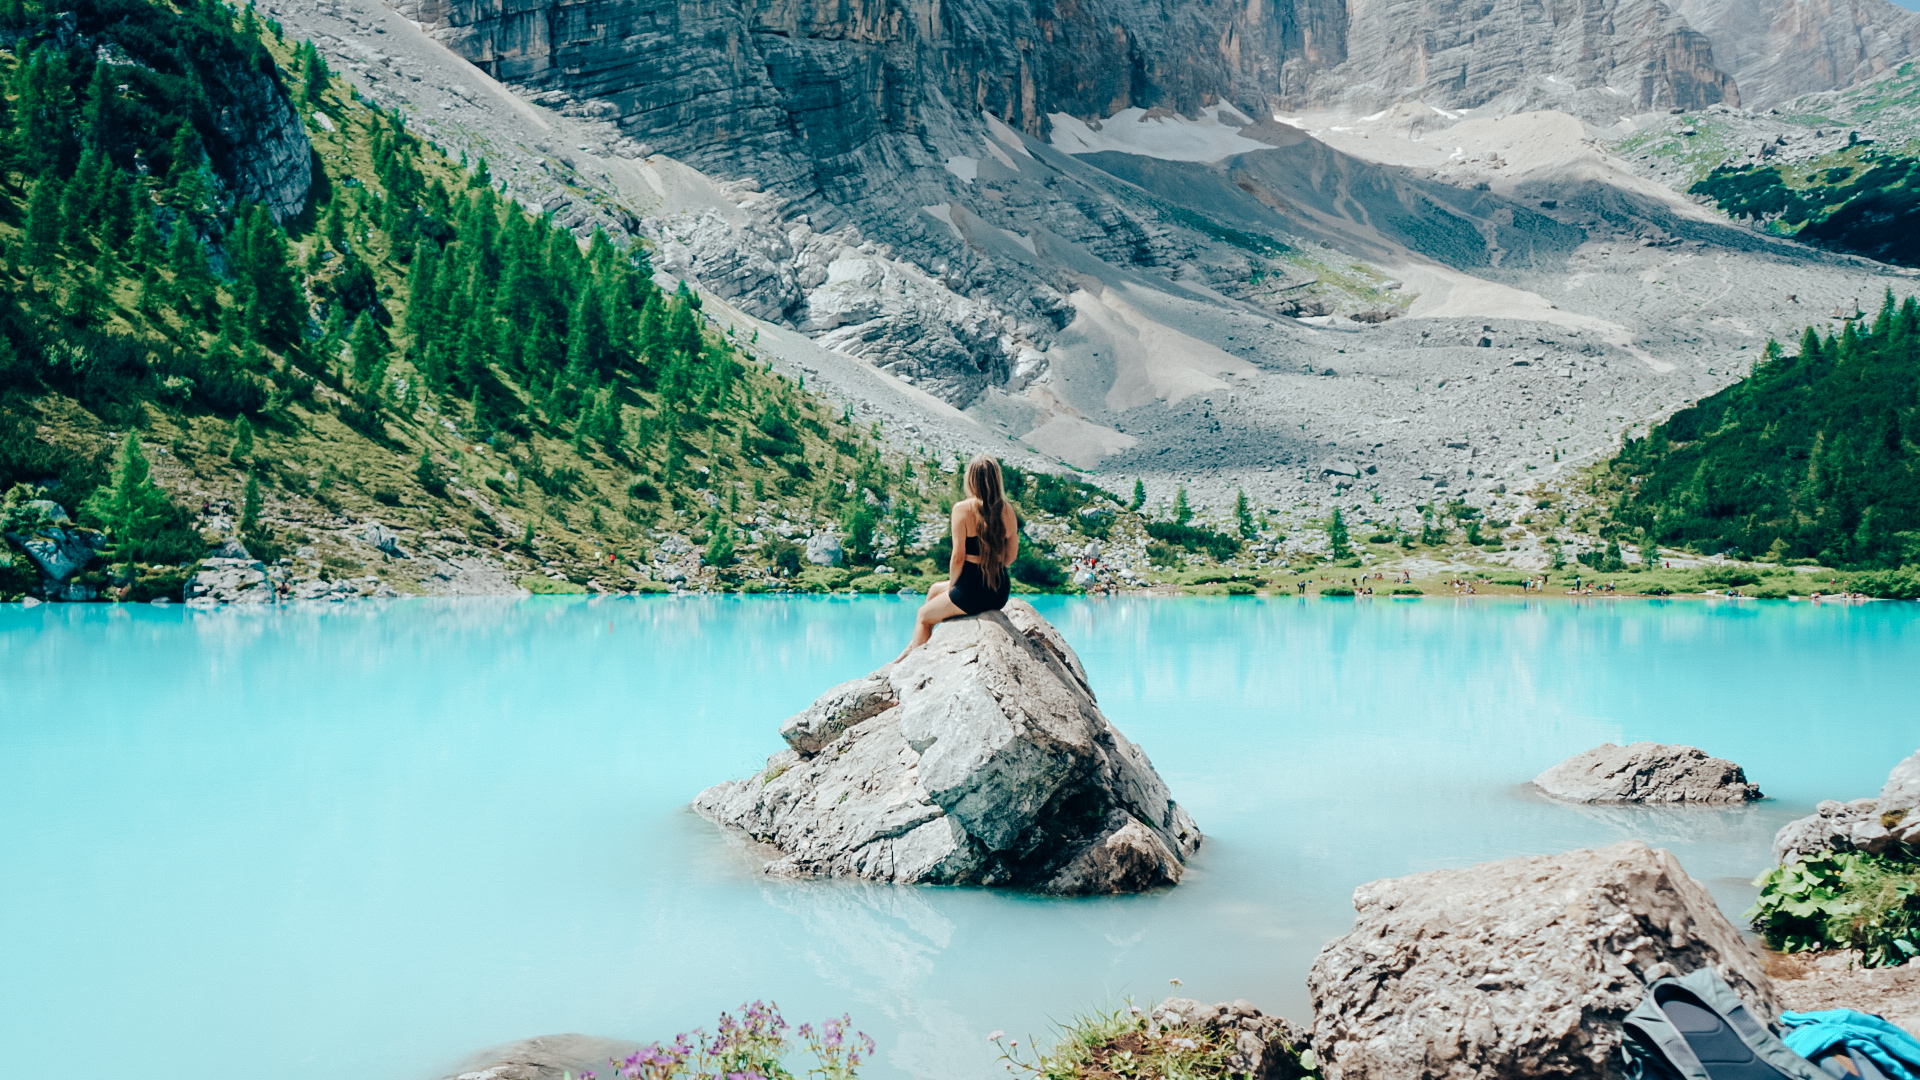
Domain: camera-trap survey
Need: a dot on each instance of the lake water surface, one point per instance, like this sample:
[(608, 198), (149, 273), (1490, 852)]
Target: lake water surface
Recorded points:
[(366, 840)]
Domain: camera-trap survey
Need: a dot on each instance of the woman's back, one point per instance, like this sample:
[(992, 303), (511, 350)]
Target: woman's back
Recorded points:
[(971, 520)]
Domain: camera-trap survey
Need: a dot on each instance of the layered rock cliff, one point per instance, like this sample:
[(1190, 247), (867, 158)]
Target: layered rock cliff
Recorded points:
[(1780, 49), (840, 99), (1604, 59)]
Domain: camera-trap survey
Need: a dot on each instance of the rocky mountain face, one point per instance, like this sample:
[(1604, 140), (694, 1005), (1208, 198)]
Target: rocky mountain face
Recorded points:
[(1605, 59), (256, 143), (1778, 50), (1084, 227)]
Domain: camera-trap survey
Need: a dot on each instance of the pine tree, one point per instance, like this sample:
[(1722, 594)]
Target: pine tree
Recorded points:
[(369, 351), (1182, 513), (313, 75), (1243, 516), (242, 441), (250, 504), (1139, 495), (44, 134), (144, 524), (42, 230), (192, 279), (1337, 538)]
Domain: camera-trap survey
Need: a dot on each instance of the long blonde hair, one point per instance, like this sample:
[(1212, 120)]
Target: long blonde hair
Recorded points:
[(983, 483)]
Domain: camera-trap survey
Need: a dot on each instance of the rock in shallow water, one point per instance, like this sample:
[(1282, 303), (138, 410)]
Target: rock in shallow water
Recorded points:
[(544, 1057), (980, 759), (1522, 967), (1647, 772), (1881, 826)]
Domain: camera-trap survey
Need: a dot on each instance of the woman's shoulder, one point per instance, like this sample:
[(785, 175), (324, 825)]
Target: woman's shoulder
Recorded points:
[(966, 508)]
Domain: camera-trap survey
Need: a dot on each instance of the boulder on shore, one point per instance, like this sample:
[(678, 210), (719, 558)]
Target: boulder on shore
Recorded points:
[(980, 759), (1647, 772), (1265, 1047), (1882, 826), (1521, 967)]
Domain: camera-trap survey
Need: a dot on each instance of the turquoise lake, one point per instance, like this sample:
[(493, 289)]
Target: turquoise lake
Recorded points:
[(366, 840)]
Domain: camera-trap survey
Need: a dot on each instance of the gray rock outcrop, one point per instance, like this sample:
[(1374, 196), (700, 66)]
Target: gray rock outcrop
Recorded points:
[(1264, 1047), (1521, 967), (1647, 772), (1879, 826), (59, 551), (229, 581), (980, 759), (255, 141), (823, 549), (1778, 50), (1603, 60), (544, 1057)]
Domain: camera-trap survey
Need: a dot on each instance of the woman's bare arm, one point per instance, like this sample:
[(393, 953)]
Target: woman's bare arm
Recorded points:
[(958, 560), (1013, 535)]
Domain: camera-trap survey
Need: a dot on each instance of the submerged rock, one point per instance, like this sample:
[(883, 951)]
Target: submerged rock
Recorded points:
[(980, 759), (1522, 967), (1647, 772), (544, 1057), (1880, 826)]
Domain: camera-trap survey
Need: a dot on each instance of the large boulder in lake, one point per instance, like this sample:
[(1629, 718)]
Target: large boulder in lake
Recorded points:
[(1647, 772), (980, 759), (1522, 967), (1882, 826)]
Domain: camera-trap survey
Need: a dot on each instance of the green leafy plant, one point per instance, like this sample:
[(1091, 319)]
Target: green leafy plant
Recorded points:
[(1842, 900)]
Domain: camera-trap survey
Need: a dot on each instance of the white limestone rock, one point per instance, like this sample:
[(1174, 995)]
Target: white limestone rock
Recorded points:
[(1521, 967), (980, 759), (1889, 824), (1647, 772)]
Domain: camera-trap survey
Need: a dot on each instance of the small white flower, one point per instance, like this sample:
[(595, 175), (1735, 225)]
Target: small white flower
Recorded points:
[(1184, 1044), (1175, 982), (1134, 1009), (996, 1035)]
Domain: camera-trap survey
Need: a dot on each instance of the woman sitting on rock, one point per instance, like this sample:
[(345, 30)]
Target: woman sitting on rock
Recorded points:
[(986, 540)]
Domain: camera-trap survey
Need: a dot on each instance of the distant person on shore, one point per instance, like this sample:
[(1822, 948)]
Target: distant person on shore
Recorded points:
[(986, 540)]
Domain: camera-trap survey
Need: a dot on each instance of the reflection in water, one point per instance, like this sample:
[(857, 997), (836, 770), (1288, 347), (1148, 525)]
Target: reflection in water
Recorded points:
[(367, 839)]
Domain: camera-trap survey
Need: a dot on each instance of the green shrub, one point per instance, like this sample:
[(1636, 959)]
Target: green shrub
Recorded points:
[(1901, 584), (1336, 590), (1193, 538), (1842, 900), (1407, 591), (1239, 588), (1037, 570), (541, 585), (824, 578), (18, 574)]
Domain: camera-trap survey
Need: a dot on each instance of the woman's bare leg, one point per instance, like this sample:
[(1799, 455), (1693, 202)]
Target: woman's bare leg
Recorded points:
[(937, 609)]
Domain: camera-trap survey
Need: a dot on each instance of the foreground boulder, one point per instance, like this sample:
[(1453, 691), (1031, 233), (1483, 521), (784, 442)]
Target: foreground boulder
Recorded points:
[(1647, 772), (1880, 826), (1522, 967), (1264, 1047), (980, 759), (544, 1057)]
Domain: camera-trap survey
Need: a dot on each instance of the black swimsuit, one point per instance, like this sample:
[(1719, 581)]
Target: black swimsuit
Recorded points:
[(971, 593)]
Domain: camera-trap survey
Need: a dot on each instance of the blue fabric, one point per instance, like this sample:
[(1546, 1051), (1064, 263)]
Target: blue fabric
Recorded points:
[(1811, 1034)]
